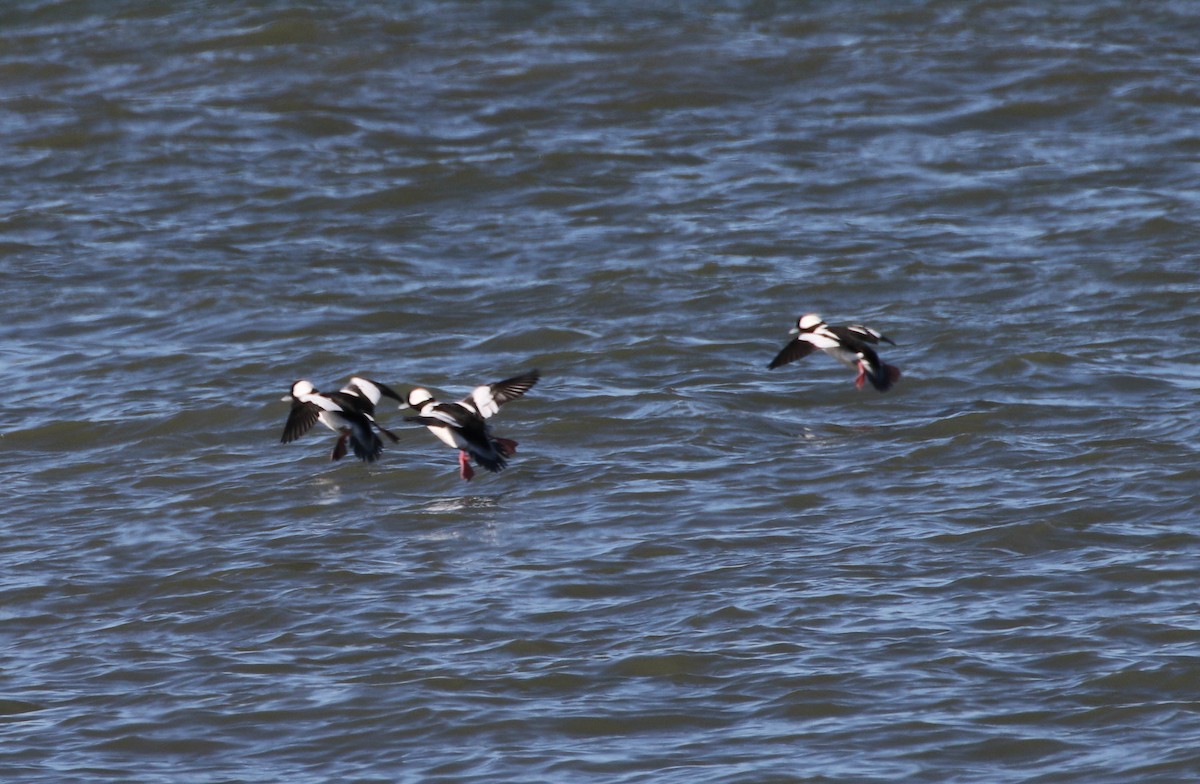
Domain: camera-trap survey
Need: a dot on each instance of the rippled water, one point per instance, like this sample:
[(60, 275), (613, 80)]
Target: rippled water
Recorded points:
[(695, 570)]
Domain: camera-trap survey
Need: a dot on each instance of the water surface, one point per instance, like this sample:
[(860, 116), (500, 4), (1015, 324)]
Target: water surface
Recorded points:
[(695, 570)]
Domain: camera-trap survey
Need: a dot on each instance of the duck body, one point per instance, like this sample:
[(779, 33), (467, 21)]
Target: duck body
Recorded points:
[(463, 425), (851, 345), (349, 412)]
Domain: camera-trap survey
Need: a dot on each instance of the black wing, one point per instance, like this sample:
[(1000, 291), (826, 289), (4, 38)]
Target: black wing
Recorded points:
[(456, 416), (513, 388), (487, 399), (300, 420), (387, 391), (861, 332), (360, 404), (372, 390), (427, 421), (796, 349)]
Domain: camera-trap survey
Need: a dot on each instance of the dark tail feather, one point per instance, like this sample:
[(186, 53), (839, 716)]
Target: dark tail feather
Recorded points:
[(395, 438), (883, 377), (494, 461), (369, 451)]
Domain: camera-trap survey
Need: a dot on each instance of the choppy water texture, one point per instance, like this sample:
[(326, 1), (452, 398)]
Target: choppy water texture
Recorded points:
[(696, 570)]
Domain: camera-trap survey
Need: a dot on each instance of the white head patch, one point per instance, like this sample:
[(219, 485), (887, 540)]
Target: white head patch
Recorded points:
[(302, 388), (419, 397), (810, 321)]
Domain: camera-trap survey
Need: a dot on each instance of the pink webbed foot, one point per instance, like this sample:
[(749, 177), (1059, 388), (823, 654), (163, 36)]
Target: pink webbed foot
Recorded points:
[(339, 449), (862, 376), (464, 468), (505, 446)]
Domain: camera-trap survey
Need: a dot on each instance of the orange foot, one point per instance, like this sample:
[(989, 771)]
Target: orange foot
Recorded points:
[(464, 468)]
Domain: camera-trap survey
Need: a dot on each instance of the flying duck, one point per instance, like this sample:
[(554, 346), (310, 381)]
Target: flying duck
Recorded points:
[(349, 412), (850, 345), (463, 425)]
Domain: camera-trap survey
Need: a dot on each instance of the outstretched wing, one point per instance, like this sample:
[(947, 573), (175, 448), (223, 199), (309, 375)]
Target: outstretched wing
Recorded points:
[(372, 390), (452, 415), (795, 349), (488, 398), (300, 420), (352, 400), (862, 332)]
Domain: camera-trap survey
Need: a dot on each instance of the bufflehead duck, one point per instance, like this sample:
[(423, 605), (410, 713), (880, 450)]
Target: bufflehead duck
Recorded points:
[(364, 395), (848, 345), (463, 425), (348, 412)]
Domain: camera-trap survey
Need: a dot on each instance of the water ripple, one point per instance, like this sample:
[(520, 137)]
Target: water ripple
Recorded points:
[(695, 569)]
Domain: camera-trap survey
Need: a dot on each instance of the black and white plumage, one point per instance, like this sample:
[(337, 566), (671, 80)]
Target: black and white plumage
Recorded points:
[(463, 425), (364, 395), (349, 412), (850, 345)]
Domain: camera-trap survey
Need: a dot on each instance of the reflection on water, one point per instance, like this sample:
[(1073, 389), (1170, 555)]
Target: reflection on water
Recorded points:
[(462, 503)]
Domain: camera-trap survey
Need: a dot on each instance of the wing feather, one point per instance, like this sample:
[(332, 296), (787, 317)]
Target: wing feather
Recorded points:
[(488, 398), (371, 390), (862, 332), (795, 349), (300, 420)]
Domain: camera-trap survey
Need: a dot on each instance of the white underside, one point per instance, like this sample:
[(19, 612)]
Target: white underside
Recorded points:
[(833, 347), (448, 437), (333, 420), (848, 358)]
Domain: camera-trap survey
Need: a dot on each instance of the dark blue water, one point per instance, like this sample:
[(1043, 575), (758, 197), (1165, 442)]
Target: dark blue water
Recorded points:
[(695, 569)]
